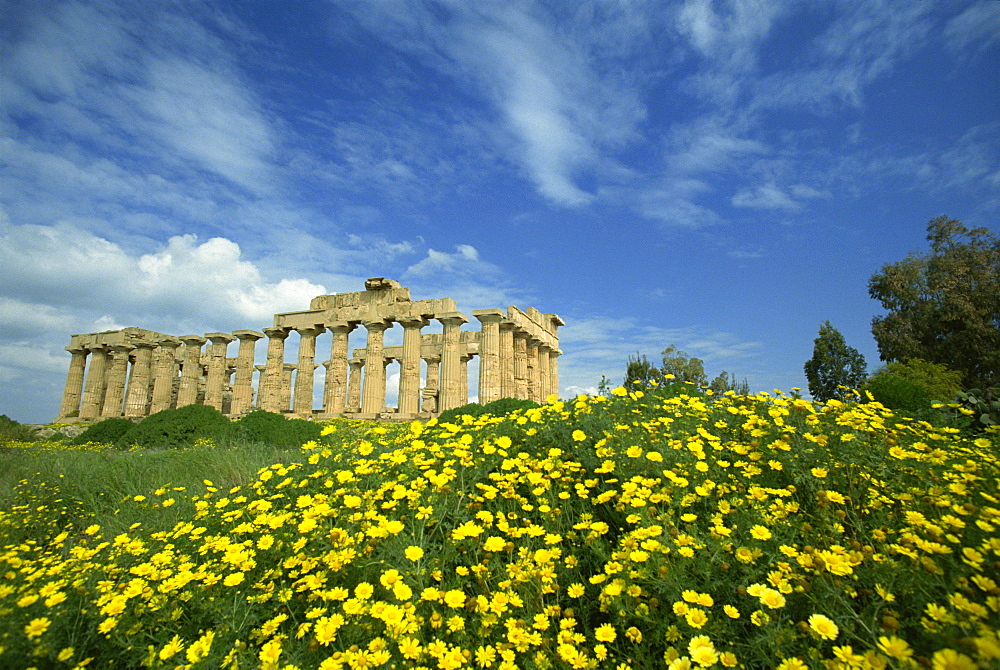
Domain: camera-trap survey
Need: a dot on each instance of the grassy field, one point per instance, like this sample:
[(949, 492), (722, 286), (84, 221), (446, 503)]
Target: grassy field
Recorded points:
[(657, 530)]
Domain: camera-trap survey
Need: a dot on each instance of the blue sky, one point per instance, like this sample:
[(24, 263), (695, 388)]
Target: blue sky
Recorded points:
[(721, 176)]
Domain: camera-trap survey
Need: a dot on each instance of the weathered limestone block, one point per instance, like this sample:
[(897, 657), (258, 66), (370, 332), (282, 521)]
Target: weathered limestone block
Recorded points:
[(451, 364), (373, 393), (93, 394), (164, 375), (243, 382), (115, 393), (305, 378), (73, 392), (137, 398), (520, 365), (409, 365), (187, 392), (354, 386), (489, 354), (269, 393), (216, 381), (335, 383)]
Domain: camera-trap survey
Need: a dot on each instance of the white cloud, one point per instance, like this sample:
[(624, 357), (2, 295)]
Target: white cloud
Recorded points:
[(979, 23), (465, 262), (185, 281), (767, 196), (206, 115)]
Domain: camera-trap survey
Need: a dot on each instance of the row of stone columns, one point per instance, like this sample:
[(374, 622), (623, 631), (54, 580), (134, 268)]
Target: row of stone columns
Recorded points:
[(512, 364)]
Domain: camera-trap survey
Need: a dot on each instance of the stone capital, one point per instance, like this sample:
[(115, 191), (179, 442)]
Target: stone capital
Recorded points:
[(413, 321), (454, 318), (251, 335), (376, 323), (142, 344), (120, 348), (192, 340), (432, 359), (310, 331), (77, 350), (489, 315), (169, 342), (220, 338), (276, 333), (341, 326)]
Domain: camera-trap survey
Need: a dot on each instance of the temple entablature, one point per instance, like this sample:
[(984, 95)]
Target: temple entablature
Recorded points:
[(134, 372)]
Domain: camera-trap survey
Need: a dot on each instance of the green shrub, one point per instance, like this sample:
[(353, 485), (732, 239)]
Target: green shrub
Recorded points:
[(937, 381), (501, 407), (981, 407), (176, 428), (262, 427), (12, 431), (898, 394), (108, 431)]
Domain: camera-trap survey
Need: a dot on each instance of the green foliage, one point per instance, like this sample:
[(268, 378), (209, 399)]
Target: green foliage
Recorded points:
[(678, 375), (109, 431), (834, 366), (12, 431), (501, 407), (176, 428), (683, 368), (937, 381), (262, 427), (639, 372), (944, 306), (982, 406), (898, 394)]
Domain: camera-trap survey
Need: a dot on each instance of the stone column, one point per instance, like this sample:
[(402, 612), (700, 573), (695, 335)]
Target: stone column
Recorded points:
[(354, 385), (93, 394), (304, 380), (543, 371), (520, 365), (243, 383), (451, 364), (335, 383), (187, 393), (215, 384), (489, 354), (409, 366), (463, 378), (554, 371), (115, 393), (286, 386), (533, 380), (70, 405), (432, 385), (163, 377), (373, 393), (507, 387), (137, 398), (269, 391)]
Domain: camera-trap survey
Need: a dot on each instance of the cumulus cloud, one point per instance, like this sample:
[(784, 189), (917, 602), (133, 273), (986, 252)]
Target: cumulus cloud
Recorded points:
[(185, 281)]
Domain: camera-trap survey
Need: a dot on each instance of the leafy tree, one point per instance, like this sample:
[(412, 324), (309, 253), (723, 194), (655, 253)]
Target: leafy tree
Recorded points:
[(723, 382), (936, 381), (640, 372), (944, 306), (684, 369), (833, 365), (678, 368)]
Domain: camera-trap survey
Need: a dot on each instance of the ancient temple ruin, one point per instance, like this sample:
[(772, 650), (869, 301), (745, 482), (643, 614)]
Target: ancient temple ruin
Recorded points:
[(134, 372)]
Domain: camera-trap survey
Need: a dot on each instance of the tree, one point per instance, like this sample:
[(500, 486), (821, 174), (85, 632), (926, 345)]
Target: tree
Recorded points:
[(944, 306), (684, 369), (833, 365), (640, 370), (679, 368)]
